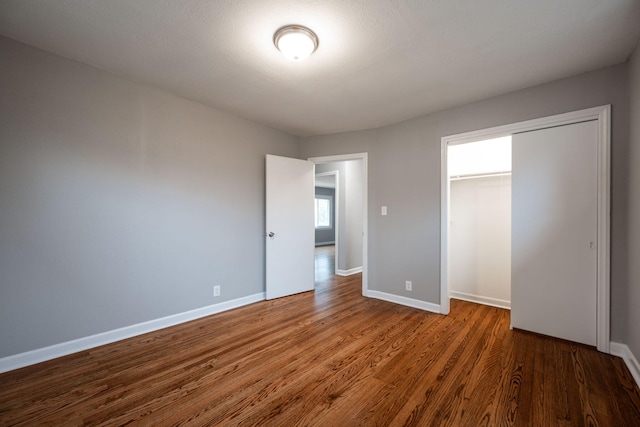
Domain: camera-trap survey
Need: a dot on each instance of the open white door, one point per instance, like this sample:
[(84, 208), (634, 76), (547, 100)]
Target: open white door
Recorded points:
[(289, 226), (554, 231)]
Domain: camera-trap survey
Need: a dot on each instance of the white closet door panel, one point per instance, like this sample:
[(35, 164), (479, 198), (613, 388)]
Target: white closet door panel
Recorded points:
[(554, 232)]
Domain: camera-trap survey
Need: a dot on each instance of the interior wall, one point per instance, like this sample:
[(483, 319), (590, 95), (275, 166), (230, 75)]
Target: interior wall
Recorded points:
[(350, 225), (326, 236), (480, 240), (404, 174), (354, 212), (120, 203), (634, 207)]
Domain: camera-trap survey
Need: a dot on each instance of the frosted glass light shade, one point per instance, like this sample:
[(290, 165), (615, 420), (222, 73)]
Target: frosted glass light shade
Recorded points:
[(295, 42)]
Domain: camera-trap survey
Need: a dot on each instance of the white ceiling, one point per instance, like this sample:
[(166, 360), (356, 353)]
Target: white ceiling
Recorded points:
[(379, 61)]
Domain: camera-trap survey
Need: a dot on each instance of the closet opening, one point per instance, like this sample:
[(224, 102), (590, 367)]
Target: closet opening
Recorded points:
[(479, 249), (560, 224)]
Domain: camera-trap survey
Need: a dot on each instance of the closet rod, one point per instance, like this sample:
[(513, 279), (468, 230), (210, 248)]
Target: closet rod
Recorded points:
[(479, 175)]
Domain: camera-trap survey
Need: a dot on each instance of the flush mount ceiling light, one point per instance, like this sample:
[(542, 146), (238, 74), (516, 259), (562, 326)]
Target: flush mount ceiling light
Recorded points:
[(295, 42)]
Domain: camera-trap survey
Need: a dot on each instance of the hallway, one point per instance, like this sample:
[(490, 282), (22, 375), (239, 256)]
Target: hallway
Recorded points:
[(324, 264)]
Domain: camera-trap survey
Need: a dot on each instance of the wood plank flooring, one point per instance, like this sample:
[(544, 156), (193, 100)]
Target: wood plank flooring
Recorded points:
[(329, 358)]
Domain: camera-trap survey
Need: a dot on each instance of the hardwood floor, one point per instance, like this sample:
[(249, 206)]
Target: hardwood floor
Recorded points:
[(329, 358), (325, 258)]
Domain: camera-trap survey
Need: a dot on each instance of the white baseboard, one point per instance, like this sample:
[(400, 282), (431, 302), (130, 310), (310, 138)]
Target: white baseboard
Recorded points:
[(623, 351), (494, 302), (32, 357), (325, 243), (348, 272), (410, 302)]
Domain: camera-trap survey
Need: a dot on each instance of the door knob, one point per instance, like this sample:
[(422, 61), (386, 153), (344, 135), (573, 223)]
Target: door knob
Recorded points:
[(271, 234)]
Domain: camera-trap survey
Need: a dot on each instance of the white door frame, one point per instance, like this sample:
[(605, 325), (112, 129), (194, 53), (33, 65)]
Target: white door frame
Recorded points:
[(365, 205), (603, 116), (336, 205)]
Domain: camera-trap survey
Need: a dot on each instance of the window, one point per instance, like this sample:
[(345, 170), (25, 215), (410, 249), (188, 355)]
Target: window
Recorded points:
[(323, 211)]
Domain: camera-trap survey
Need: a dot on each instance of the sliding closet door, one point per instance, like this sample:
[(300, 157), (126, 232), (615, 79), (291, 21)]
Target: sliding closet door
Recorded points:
[(554, 232)]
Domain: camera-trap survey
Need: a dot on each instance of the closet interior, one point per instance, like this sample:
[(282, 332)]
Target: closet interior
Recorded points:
[(480, 221)]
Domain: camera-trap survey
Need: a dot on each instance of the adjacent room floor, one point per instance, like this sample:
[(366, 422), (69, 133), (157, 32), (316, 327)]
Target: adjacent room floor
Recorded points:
[(325, 258), (329, 358)]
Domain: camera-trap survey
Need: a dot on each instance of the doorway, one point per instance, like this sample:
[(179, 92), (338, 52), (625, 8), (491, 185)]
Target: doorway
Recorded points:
[(326, 224), (289, 218), (351, 212), (600, 116)]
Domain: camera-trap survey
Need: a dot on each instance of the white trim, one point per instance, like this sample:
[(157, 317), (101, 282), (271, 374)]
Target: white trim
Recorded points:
[(444, 227), (338, 158), (623, 351), (325, 243), (32, 357), (493, 302), (603, 316), (349, 272), (603, 115), (409, 302), (365, 208)]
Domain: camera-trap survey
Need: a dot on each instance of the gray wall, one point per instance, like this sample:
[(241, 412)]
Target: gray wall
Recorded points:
[(634, 207), (404, 174), (120, 203), (350, 211), (354, 211), (324, 235)]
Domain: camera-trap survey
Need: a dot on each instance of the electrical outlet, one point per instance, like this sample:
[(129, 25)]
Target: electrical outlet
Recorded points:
[(408, 285), (216, 291)]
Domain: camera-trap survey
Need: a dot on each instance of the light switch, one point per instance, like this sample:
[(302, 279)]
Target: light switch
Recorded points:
[(383, 211)]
